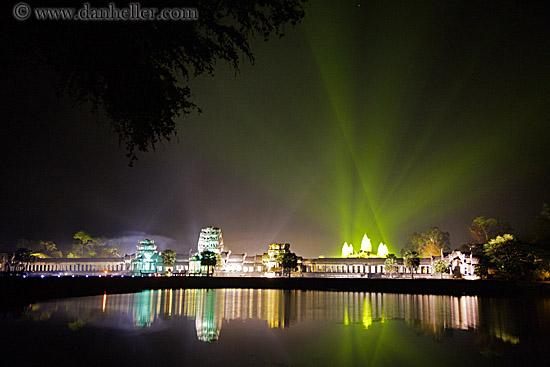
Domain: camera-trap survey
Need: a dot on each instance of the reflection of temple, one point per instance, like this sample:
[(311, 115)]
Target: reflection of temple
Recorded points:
[(429, 314), (143, 311), (280, 308), (208, 320)]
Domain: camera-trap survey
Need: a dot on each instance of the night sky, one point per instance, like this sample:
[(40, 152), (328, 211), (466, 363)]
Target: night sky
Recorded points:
[(377, 117)]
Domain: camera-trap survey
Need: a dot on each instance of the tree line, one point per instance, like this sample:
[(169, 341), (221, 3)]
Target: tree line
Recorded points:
[(84, 245), (501, 254)]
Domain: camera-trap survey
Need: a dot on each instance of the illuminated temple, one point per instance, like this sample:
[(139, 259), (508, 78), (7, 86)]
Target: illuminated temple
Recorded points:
[(147, 261)]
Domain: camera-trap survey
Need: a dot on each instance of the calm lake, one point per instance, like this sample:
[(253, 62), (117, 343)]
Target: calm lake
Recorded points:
[(249, 327)]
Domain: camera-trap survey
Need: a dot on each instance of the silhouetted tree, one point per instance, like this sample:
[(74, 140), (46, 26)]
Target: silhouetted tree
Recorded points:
[(411, 261), (414, 243), (210, 260), (137, 73), (475, 248), (288, 261), (483, 229), (24, 256), (481, 269)]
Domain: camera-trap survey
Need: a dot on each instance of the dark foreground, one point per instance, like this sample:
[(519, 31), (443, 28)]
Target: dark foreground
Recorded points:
[(30, 290)]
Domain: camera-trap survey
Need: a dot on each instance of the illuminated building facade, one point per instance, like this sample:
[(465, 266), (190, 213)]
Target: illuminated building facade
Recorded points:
[(211, 239), (269, 260), (147, 259), (79, 266)]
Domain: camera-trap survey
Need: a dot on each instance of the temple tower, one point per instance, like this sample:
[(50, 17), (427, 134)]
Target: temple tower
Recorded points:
[(210, 239)]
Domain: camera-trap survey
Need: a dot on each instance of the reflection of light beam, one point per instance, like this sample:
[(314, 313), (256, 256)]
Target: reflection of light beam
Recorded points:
[(104, 301)]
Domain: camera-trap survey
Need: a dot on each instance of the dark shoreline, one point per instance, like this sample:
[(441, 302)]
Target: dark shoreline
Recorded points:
[(17, 290)]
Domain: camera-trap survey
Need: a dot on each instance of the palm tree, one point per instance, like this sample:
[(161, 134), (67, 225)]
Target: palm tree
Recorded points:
[(210, 260), (390, 265)]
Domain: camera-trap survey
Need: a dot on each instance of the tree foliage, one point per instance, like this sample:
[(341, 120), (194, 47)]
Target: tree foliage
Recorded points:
[(483, 229), (40, 248), (23, 256), (210, 260), (481, 269), (168, 257), (440, 267), (85, 245), (414, 243), (475, 248), (390, 265), (288, 261), (429, 243), (137, 73), (435, 240), (411, 261), (514, 259)]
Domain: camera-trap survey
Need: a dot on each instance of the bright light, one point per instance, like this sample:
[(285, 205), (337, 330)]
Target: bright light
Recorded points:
[(347, 250), (383, 250), (365, 244), (42, 276)]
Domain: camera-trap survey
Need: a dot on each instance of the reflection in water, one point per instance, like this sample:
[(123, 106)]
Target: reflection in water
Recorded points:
[(207, 317), (430, 315), (143, 309)]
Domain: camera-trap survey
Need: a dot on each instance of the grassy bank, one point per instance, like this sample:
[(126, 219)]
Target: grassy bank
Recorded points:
[(27, 290)]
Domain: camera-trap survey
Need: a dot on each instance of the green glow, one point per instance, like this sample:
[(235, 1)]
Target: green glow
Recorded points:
[(367, 140), (367, 313)]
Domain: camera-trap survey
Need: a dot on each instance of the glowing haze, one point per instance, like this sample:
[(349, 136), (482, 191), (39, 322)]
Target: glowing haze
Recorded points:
[(383, 119)]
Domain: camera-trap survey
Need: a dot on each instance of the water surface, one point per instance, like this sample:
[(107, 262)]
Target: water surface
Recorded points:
[(247, 327)]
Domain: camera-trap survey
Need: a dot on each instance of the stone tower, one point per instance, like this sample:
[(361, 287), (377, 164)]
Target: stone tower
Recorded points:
[(210, 239)]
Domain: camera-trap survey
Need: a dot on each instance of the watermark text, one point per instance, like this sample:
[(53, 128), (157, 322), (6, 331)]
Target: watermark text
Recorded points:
[(133, 12)]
